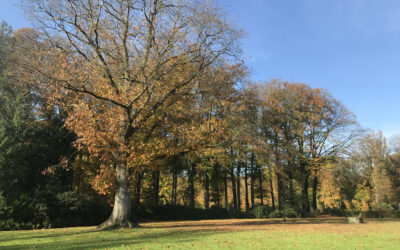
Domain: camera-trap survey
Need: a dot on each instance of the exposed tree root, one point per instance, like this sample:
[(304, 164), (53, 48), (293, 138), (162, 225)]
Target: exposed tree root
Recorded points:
[(113, 224)]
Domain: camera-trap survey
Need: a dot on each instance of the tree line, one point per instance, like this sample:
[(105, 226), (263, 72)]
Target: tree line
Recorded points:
[(122, 106)]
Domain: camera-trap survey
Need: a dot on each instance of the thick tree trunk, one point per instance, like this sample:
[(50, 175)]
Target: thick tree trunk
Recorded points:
[(261, 185), (233, 189), (156, 187), (174, 187), (226, 189), (206, 191), (121, 214), (314, 193), (238, 186), (192, 172), (246, 187)]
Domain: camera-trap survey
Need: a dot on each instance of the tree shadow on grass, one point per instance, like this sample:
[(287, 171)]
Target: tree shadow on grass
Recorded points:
[(32, 235), (148, 234), (250, 222), (124, 238)]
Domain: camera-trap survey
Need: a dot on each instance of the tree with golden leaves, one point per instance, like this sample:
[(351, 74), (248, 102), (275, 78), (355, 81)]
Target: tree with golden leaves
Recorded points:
[(304, 126), (118, 67)]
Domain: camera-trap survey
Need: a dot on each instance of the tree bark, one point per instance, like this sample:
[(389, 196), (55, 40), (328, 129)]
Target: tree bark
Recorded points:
[(174, 186), (138, 185), (234, 189), (271, 186), (261, 184), (305, 202), (252, 179), (216, 180), (238, 186), (314, 193), (246, 187), (121, 214), (226, 189), (291, 189), (192, 172), (278, 173), (206, 191), (156, 187), (77, 178), (280, 190)]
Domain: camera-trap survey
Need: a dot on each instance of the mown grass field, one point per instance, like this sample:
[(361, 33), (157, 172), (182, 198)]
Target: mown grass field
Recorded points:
[(315, 233)]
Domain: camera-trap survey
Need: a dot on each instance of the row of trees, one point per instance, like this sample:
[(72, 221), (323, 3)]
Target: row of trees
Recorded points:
[(156, 100)]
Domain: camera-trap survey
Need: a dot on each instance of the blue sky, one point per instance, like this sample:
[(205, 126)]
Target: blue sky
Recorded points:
[(350, 47)]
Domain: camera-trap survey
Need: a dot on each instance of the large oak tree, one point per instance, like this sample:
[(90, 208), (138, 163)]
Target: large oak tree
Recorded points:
[(118, 67)]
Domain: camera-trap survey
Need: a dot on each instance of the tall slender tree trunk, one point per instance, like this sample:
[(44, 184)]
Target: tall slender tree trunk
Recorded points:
[(278, 173), (174, 186), (121, 214), (246, 187), (234, 189), (192, 173), (305, 202), (271, 187), (260, 180), (226, 188), (291, 189), (280, 190), (217, 198), (314, 192), (138, 185), (216, 181), (206, 191), (156, 187), (252, 179), (238, 186), (77, 178)]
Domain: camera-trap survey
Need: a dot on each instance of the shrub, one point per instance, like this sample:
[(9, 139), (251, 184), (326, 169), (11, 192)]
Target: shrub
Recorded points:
[(276, 214), (259, 212), (291, 212), (334, 211), (25, 212), (45, 210), (180, 212), (217, 213), (6, 223), (379, 210), (288, 213), (75, 209), (383, 210), (233, 213)]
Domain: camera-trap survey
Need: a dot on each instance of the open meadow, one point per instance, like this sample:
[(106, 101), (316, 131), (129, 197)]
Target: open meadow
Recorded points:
[(310, 233)]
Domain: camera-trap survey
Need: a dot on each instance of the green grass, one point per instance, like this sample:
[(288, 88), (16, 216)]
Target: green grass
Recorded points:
[(320, 233)]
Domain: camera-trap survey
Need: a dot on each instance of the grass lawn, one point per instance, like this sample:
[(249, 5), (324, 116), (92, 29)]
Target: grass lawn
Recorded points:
[(315, 233)]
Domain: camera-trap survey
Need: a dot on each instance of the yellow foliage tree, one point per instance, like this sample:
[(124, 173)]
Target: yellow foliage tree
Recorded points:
[(119, 68)]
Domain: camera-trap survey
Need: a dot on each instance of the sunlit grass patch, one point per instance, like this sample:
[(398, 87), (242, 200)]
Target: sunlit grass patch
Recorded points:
[(325, 233)]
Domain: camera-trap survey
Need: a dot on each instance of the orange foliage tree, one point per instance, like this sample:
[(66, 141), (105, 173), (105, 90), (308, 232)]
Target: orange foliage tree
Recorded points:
[(304, 126), (123, 70)]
